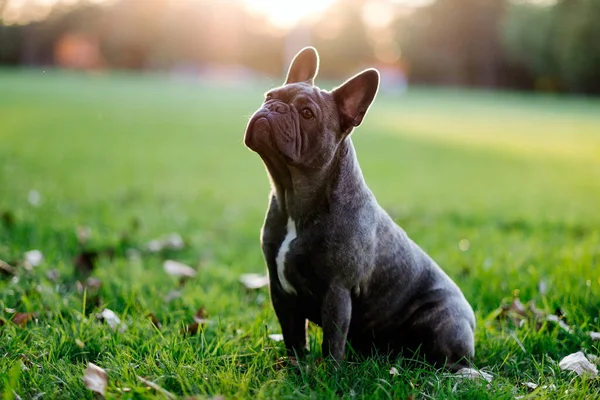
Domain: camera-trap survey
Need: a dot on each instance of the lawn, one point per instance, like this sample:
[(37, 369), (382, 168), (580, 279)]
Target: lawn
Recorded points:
[(502, 189)]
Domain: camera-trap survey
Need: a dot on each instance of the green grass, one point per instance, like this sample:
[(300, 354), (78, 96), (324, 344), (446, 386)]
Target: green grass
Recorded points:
[(518, 176)]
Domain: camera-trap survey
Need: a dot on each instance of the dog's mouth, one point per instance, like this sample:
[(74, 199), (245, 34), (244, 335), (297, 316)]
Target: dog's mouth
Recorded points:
[(258, 135)]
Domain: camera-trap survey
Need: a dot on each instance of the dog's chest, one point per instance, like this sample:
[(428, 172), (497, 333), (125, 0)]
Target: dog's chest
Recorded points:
[(283, 251)]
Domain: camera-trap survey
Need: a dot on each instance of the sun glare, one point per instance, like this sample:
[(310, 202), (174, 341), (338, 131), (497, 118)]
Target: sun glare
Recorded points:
[(287, 14)]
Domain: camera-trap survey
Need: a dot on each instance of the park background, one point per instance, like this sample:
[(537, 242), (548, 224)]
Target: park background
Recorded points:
[(121, 152)]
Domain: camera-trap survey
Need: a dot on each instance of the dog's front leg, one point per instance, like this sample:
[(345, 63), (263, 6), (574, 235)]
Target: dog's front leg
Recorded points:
[(335, 314), (293, 324)]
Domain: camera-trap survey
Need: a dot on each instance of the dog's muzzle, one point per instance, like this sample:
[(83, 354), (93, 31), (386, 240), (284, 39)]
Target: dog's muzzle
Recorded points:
[(259, 133)]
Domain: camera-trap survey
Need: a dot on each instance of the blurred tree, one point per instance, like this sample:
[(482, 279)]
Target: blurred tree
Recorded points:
[(559, 43), (341, 38), (454, 42), (11, 38)]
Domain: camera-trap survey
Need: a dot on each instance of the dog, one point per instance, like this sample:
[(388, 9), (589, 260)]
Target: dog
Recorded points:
[(334, 256)]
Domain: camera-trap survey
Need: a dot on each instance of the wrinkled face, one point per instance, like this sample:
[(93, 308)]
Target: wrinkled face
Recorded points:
[(298, 122), (301, 125)]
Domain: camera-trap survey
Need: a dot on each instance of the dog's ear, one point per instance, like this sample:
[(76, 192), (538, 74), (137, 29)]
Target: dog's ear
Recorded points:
[(354, 97), (304, 66)]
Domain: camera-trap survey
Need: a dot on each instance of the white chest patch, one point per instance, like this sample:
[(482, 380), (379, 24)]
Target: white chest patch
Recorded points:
[(283, 250)]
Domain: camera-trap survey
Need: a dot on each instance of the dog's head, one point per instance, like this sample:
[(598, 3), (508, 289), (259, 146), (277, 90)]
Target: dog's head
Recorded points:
[(302, 125)]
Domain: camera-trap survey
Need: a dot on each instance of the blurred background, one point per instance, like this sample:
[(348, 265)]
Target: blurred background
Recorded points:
[(122, 123), (541, 45)]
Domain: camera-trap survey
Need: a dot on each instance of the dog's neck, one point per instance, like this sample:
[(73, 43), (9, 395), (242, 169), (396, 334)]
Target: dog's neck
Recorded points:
[(303, 194)]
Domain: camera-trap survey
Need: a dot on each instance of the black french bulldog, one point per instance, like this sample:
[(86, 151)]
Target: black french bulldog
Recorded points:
[(334, 255)]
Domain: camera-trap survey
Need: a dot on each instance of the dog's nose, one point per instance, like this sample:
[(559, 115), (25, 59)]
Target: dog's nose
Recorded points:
[(278, 107)]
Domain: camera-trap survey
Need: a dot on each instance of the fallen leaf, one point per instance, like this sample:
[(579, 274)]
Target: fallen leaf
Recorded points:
[(21, 319), (560, 322), (530, 385), (201, 316), (79, 343), (472, 373), (173, 241), (595, 335), (85, 261), (536, 312), (580, 364), (254, 281), (276, 337), (27, 361), (154, 320), (34, 257), (112, 320), (7, 270), (95, 379), (193, 329), (542, 287), (154, 386), (172, 295), (593, 358), (394, 371), (177, 269)]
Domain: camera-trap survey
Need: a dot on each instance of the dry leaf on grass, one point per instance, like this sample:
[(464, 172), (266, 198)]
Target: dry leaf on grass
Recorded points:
[(154, 320), (95, 379), (519, 313), (34, 257), (556, 319), (595, 335), (112, 320), (154, 386), (394, 371), (201, 316), (179, 270), (276, 337), (86, 261), (79, 343), (254, 281), (174, 241), (534, 386), (6, 269), (21, 319), (472, 373), (579, 363), (199, 322)]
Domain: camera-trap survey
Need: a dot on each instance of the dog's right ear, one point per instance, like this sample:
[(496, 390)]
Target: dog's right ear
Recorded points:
[(304, 66), (354, 97)]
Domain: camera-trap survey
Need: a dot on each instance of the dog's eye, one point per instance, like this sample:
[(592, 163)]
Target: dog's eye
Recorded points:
[(268, 97), (306, 113)]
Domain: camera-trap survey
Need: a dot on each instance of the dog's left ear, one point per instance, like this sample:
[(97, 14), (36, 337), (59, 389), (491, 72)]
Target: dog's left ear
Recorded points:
[(354, 97), (304, 66)]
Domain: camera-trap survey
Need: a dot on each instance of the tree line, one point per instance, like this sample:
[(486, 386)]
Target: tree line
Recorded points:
[(519, 44)]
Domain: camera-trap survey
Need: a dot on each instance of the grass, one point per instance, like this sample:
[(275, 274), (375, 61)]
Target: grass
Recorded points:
[(515, 177)]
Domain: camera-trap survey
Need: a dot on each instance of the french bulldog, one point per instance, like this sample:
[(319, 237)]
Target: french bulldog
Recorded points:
[(334, 256)]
